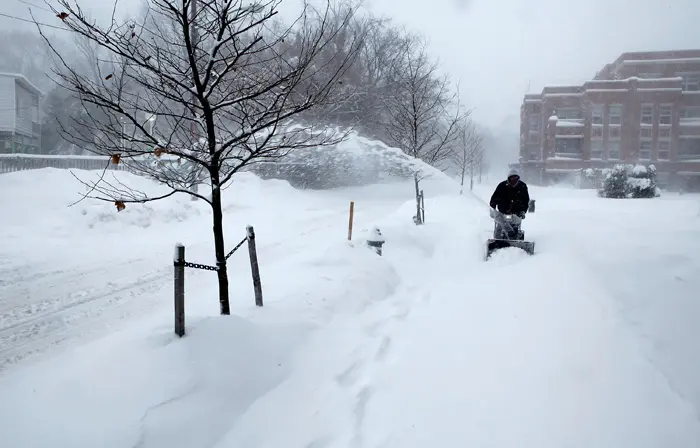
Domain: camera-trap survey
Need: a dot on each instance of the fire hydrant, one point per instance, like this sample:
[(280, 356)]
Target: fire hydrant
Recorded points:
[(376, 240)]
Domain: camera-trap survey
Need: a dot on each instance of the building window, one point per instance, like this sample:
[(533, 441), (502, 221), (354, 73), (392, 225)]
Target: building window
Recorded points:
[(615, 114), (614, 133), (597, 114), (613, 150), (663, 150), (568, 113), (596, 149), (690, 113), (645, 132), (691, 82), (597, 132), (645, 150), (665, 114), (569, 146), (665, 133), (650, 75), (534, 122), (647, 114), (689, 149)]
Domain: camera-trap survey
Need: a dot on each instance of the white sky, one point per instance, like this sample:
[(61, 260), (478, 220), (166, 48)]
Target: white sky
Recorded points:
[(496, 47)]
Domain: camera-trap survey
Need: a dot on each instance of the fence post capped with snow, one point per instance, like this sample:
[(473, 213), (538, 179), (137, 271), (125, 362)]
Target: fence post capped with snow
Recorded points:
[(376, 240), (179, 277)]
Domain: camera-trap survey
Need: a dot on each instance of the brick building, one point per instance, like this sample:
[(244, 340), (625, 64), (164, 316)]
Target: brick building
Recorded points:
[(644, 107)]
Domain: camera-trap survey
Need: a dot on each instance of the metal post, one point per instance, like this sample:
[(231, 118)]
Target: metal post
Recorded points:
[(179, 264), (254, 268)]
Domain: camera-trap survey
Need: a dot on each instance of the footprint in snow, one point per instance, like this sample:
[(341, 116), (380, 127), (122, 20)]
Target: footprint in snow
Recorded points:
[(350, 375), (383, 350)]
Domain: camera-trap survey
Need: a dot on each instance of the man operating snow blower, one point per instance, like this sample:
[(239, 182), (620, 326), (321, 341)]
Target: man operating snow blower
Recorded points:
[(509, 203), (511, 196)]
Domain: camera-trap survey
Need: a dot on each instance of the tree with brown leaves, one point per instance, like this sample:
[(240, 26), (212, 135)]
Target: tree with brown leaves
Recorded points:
[(215, 88)]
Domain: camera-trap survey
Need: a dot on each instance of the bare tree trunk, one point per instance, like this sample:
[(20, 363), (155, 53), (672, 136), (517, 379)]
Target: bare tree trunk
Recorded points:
[(219, 246), (419, 219), (193, 36), (471, 179), (480, 174)]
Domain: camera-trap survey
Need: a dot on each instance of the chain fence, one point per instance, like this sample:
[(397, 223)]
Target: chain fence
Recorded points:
[(207, 267)]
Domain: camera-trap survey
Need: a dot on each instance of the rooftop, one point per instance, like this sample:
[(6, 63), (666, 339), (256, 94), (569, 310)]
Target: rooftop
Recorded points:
[(24, 81)]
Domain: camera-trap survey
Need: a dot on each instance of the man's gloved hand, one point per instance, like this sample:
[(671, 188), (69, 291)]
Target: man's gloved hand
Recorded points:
[(521, 215)]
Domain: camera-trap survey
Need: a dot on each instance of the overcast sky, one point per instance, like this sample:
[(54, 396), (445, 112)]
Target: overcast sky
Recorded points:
[(495, 48)]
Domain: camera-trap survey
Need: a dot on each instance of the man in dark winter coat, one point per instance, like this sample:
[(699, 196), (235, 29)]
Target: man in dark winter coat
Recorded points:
[(511, 196)]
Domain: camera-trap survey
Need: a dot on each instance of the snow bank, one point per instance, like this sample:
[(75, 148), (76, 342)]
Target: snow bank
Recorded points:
[(34, 195)]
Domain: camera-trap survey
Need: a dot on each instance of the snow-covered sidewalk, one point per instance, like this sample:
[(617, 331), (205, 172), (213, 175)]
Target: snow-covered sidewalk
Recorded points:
[(424, 346), (471, 354)]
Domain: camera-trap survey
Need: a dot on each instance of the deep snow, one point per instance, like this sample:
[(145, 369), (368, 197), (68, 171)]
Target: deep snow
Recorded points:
[(426, 345)]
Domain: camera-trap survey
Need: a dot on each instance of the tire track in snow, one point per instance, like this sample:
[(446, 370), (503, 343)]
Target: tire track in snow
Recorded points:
[(31, 329)]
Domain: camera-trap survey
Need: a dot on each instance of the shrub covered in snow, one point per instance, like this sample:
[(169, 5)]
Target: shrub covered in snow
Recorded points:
[(642, 182), (615, 183), (628, 181)]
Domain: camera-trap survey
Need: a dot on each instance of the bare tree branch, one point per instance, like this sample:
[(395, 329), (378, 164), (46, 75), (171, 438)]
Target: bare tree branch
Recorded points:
[(185, 96)]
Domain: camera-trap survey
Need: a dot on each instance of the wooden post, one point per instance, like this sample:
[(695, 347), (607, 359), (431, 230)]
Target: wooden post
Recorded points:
[(352, 213), (254, 268), (179, 264), (422, 207)]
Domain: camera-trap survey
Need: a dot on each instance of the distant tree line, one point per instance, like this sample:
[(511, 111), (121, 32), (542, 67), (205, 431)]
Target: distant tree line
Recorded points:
[(392, 88)]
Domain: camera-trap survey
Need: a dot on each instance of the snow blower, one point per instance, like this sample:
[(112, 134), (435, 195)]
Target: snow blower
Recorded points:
[(507, 232)]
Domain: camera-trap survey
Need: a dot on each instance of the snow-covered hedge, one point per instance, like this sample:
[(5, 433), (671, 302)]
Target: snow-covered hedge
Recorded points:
[(629, 181)]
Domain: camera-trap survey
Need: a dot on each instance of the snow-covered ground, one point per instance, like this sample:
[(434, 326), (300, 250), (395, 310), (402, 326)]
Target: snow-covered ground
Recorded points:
[(590, 342)]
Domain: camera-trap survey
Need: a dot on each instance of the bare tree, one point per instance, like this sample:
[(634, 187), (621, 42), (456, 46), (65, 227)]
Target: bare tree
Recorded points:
[(202, 89), (423, 112), (469, 151)]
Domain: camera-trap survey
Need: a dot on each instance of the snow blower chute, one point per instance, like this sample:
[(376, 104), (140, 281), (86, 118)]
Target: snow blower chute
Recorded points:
[(507, 232)]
